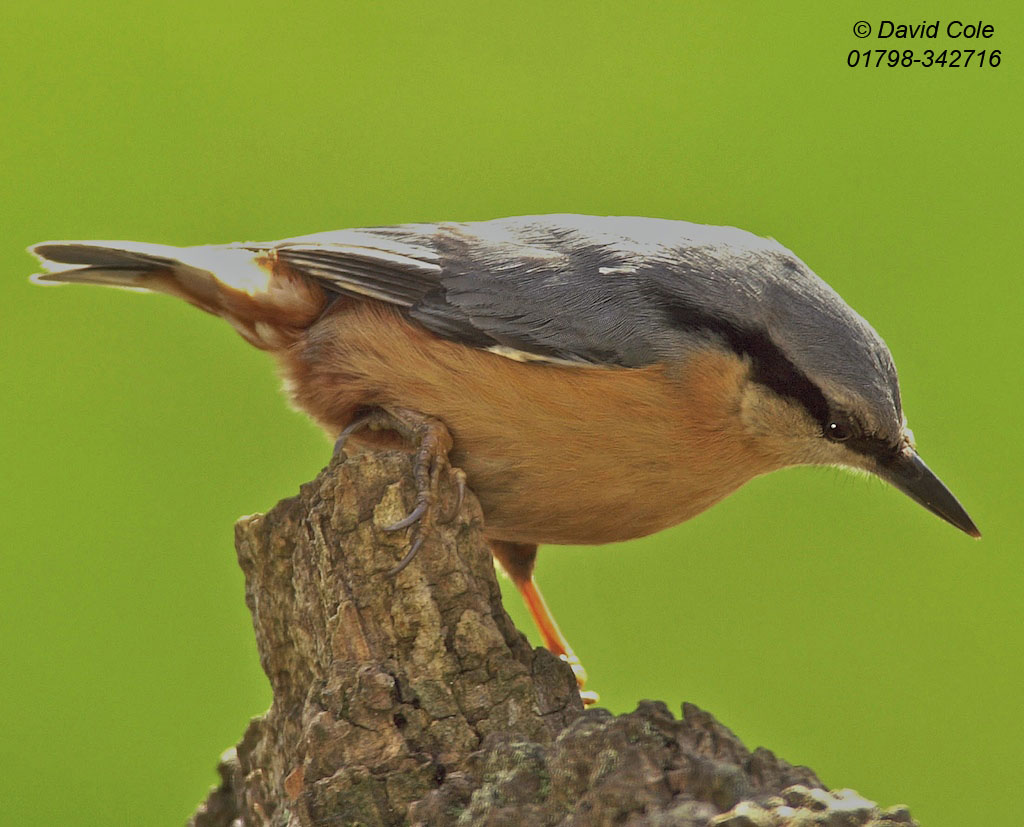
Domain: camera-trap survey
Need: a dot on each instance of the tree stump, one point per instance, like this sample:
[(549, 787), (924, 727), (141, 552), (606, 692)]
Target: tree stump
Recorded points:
[(413, 699)]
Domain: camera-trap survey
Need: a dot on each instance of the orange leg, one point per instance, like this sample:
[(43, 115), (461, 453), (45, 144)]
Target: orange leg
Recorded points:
[(517, 560)]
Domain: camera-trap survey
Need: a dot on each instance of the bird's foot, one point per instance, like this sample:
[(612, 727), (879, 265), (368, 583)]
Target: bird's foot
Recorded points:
[(588, 696), (554, 640), (432, 442)]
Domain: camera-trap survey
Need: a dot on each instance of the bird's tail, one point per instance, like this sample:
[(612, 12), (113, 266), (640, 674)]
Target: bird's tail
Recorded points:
[(243, 283)]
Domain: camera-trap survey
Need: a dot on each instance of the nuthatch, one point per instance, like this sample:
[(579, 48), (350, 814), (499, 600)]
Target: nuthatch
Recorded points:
[(597, 378)]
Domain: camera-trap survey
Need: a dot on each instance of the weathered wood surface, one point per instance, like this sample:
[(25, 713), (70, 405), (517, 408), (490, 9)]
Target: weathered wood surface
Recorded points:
[(414, 700)]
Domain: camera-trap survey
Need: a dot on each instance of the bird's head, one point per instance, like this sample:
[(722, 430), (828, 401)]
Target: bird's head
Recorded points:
[(819, 385)]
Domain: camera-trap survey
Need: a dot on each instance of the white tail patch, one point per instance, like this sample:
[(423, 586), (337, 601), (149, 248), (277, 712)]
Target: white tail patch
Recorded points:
[(268, 305), (198, 271)]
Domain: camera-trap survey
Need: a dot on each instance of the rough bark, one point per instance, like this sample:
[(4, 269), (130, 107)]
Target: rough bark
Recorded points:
[(414, 700)]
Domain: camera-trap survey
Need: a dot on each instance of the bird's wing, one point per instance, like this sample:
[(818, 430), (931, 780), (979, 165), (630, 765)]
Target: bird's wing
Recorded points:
[(392, 264), (564, 289)]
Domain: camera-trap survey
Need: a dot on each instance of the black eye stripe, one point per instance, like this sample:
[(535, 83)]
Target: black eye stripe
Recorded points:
[(769, 366)]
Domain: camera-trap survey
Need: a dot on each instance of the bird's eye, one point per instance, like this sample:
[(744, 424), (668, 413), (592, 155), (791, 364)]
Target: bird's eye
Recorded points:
[(838, 430)]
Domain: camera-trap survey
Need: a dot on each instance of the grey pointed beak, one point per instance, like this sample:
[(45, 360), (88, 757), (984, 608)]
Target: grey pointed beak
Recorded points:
[(910, 475)]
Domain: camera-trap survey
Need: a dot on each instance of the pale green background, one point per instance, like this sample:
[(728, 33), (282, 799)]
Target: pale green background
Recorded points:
[(823, 615)]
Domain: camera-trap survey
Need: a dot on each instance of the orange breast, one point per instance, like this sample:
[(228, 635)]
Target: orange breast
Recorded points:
[(556, 454)]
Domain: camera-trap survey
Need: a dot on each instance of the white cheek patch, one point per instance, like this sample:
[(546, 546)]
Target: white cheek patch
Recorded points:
[(789, 432), (767, 414), (826, 452)]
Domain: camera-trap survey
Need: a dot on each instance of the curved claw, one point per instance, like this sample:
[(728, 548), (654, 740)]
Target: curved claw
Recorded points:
[(356, 424), (408, 520), (460, 478), (432, 442), (405, 561)]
